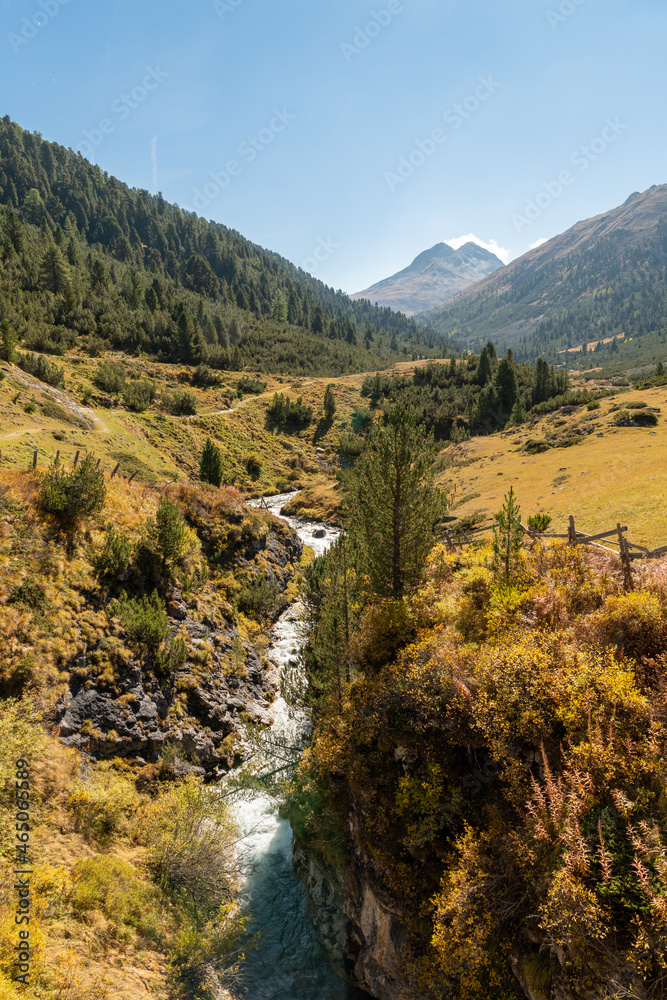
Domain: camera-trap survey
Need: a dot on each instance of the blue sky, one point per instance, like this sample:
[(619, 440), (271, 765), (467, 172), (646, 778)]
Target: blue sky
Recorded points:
[(350, 136)]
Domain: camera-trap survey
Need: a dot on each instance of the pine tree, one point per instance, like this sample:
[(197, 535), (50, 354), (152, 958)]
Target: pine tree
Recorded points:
[(165, 537), (484, 368), (8, 341), (394, 504), (508, 537), (518, 414), (329, 404), (279, 313), (54, 272), (210, 467), (505, 383), (329, 597)]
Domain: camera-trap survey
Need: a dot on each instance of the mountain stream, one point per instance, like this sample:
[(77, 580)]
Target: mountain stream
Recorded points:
[(288, 963)]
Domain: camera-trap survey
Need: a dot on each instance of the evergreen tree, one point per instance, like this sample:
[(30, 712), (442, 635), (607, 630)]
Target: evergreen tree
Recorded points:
[(508, 537), (394, 504), (165, 537), (329, 596), (505, 383), (54, 271), (518, 414), (484, 368), (279, 313), (210, 467), (15, 233), (329, 403), (8, 341)]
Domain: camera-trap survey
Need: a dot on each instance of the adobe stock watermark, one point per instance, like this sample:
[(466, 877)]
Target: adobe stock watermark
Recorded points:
[(363, 36), (248, 151), (121, 108), (454, 117), (324, 249), (31, 26), (224, 7), (582, 159), (566, 9)]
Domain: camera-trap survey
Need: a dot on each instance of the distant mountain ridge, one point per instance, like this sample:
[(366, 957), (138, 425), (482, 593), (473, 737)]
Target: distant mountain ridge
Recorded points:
[(433, 277), (602, 282)]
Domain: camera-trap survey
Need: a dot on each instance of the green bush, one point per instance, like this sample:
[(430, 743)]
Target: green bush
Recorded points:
[(262, 598), (114, 557), (539, 522), (351, 444), (143, 619), (288, 414), (138, 396), (29, 408), (172, 658), (204, 377), (535, 447), (253, 386), (30, 594), (361, 418), (647, 419), (180, 404), (70, 495), (253, 464), (110, 376), (594, 405)]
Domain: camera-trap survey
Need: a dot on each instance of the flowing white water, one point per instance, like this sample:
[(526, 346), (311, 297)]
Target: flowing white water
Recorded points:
[(289, 963)]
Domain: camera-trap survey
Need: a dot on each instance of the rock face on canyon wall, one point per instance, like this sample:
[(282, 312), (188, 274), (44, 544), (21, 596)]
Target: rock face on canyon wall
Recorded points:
[(124, 705)]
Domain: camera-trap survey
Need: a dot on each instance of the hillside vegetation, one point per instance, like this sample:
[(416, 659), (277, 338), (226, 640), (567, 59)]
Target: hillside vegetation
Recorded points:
[(87, 261), (487, 767), (135, 625), (602, 283)]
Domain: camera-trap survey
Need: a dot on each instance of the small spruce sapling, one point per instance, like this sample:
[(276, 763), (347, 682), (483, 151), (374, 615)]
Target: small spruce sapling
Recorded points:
[(508, 537)]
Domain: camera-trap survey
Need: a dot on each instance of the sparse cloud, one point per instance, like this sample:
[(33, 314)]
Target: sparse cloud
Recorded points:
[(538, 243), (492, 245)]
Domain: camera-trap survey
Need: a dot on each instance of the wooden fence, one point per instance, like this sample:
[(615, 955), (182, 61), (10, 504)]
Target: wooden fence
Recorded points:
[(616, 542), (116, 470)]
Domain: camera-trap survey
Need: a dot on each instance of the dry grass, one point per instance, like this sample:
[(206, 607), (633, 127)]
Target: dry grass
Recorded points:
[(619, 477)]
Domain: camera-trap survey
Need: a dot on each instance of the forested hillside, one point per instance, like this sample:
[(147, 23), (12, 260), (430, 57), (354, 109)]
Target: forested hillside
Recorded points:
[(87, 261), (602, 283)]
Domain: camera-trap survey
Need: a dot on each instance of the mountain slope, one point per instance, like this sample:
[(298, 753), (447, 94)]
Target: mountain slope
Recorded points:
[(86, 258), (605, 278), (433, 277)]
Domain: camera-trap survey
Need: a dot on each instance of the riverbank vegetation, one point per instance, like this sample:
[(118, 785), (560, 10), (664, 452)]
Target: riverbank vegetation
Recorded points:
[(500, 726), (149, 606)]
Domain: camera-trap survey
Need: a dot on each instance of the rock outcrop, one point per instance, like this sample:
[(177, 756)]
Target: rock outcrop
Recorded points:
[(133, 706)]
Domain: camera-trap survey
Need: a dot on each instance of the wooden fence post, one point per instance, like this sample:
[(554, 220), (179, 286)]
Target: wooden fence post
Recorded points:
[(572, 533), (98, 463), (34, 461), (115, 470), (57, 461), (76, 460), (132, 477), (625, 559)]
